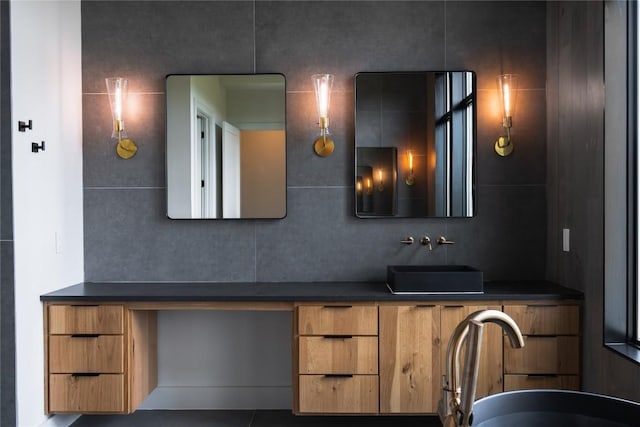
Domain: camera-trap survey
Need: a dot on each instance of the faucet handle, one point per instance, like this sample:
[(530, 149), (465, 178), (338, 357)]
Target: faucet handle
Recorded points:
[(443, 241), (407, 240), (426, 241)]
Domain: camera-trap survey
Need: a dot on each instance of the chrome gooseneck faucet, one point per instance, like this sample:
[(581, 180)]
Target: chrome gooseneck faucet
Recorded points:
[(455, 406)]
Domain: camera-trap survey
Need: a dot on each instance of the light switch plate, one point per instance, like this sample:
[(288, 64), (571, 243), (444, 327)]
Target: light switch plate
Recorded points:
[(565, 239)]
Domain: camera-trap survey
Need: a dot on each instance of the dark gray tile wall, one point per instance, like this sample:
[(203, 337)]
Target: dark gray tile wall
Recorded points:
[(127, 234), (575, 177), (7, 303)]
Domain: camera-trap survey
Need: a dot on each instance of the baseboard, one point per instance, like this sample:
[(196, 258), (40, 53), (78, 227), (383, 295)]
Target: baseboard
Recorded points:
[(60, 421), (219, 398)]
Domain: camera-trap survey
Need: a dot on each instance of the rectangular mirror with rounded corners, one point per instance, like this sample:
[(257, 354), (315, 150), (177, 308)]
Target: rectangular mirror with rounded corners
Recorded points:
[(415, 142), (226, 146)]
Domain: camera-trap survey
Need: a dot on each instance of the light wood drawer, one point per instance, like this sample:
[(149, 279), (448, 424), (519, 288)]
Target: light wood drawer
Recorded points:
[(546, 319), (101, 353), (530, 382), (543, 355), (326, 394), (76, 394), (338, 320), (338, 355), (86, 319)]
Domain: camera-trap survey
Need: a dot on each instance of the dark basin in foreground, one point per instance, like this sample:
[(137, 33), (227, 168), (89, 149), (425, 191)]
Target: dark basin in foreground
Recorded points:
[(427, 279), (554, 408)]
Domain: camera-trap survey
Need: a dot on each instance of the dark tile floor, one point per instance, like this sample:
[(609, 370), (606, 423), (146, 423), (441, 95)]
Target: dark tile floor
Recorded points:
[(261, 418)]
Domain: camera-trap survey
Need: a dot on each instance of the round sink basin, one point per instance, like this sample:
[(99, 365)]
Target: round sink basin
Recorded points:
[(554, 408)]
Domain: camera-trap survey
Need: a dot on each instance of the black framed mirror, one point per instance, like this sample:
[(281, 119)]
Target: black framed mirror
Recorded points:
[(226, 146), (415, 142)]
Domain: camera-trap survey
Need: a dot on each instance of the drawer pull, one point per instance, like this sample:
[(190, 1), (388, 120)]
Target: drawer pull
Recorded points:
[(338, 376), (338, 337), (453, 306), (337, 306), (541, 305), (84, 305), (534, 376), (425, 305), (85, 335), (85, 374)]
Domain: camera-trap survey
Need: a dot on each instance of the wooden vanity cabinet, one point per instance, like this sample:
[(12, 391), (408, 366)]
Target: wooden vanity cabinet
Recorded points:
[(551, 356), (99, 358), (348, 358), (337, 359)]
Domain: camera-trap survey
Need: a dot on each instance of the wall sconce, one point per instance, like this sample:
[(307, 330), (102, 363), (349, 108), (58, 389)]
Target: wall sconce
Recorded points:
[(380, 180), (368, 187), (508, 84), (323, 146), (410, 180), (117, 90)]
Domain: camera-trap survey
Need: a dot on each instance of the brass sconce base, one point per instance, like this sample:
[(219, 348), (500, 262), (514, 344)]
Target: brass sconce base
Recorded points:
[(126, 148), (503, 146), (323, 146), (410, 180)]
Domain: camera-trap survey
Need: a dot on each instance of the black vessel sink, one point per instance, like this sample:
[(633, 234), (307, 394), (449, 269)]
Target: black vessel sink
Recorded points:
[(432, 279), (554, 408)]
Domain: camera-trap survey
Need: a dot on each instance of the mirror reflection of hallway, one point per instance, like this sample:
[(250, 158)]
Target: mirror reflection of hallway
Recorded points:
[(226, 146)]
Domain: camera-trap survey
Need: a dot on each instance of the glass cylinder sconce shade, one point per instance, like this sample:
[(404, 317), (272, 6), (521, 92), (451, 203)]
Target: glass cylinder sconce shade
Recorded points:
[(323, 83), (410, 179), (508, 86), (117, 88)]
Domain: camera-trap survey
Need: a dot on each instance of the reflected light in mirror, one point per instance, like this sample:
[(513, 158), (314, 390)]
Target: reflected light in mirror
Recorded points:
[(380, 180)]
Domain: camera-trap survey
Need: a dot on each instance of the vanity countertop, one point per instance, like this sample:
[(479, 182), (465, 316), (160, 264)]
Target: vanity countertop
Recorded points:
[(295, 291)]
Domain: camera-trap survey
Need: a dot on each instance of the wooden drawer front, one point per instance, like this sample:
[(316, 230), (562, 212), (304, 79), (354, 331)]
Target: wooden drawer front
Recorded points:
[(543, 355), (410, 380), (338, 320), (76, 394), (102, 353), (530, 382), (325, 394), (546, 319), (338, 355), (86, 319)]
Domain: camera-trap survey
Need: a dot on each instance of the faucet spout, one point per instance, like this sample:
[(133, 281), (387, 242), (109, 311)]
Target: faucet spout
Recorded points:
[(455, 406)]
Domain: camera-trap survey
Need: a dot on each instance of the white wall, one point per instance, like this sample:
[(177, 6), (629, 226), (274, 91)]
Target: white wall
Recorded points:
[(47, 186), (223, 360)]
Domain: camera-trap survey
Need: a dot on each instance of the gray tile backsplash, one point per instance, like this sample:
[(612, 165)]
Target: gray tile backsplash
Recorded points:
[(127, 234)]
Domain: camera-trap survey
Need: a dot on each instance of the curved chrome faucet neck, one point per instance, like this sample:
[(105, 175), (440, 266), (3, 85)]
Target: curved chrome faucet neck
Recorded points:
[(457, 398)]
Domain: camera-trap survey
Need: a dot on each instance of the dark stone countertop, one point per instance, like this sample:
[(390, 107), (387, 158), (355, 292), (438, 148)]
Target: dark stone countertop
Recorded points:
[(295, 291)]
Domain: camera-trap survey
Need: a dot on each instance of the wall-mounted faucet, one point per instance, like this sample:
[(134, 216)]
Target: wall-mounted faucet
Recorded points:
[(407, 240), (443, 241), (426, 241), (455, 406)]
